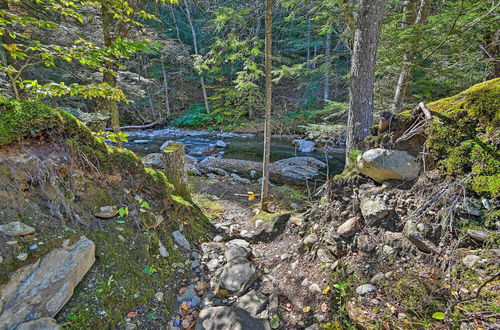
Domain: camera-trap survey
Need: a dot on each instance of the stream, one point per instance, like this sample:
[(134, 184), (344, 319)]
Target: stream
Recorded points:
[(200, 144)]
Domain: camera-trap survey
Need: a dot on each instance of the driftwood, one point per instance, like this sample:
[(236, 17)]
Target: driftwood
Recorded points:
[(158, 122)]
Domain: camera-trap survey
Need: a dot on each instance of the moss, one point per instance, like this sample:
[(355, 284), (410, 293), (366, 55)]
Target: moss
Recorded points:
[(157, 180), (465, 135)]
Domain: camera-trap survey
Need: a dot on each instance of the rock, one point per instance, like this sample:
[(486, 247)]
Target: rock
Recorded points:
[(349, 228), (239, 179), (188, 295), (22, 256), (315, 289), (225, 318), (365, 289), (107, 212), (180, 240), (312, 327), (383, 164), (237, 275), (235, 252), (153, 160), (212, 249), (324, 256), (43, 288), (471, 261), (304, 145), (414, 236), (16, 228), (297, 220), (220, 144), (377, 278), (388, 249), (44, 323), (285, 256), (273, 304), (374, 210), (165, 144), (163, 251), (237, 242), (253, 174), (295, 169), (478, 235), (213, 265), (310, 239), (253, 302)]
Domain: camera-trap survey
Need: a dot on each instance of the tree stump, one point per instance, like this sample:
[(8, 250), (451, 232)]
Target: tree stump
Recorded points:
[(174, 163)]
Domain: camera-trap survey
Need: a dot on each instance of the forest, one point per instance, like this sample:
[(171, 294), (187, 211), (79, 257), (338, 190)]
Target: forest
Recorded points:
[(274, 164)]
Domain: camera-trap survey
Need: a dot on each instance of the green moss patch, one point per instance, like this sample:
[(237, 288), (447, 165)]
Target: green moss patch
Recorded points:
[(465, 135)]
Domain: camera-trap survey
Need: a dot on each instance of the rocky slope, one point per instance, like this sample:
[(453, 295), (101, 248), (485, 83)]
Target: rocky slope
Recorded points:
[(86, 232)]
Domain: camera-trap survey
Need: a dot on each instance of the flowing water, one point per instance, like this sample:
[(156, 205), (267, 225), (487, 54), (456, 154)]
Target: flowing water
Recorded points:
[(238, 146)]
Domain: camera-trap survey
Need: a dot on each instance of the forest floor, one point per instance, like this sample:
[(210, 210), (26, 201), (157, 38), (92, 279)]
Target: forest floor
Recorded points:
[(287, 268)]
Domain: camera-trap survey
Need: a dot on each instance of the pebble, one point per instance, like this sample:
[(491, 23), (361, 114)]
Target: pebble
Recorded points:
[(163, 251), (305, 282), (471, 261), (180, 240), (22, 256), (159, 296), (285, 256), (388, 249), (315, 289), (365, 289), (311, 239), (195, 264)]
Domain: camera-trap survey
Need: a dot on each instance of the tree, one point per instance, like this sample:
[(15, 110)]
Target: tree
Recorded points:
[(366, 35), (268, 105)]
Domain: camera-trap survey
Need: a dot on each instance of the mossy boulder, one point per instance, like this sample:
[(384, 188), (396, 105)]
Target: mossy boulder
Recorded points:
[(465, 136)]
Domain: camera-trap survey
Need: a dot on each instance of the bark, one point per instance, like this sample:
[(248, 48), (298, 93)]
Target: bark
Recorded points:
[(175, 170), (328, 63), (492, 53), (165, 85), (308, 41), (195, 43), (366, 35), (415, 12), (268, 104), (110, 72)]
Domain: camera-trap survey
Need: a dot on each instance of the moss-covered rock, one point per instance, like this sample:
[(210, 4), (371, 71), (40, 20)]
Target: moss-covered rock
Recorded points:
[(466, 134)]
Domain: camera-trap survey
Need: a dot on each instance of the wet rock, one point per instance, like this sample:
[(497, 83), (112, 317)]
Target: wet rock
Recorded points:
[(310, 239), (16, 228), (235, 252), (220, 144), (478, 235), (304, 145), (107, 212), (180, 240), (365, 289), (411, 232), (374, 209), (44, 323), (41, 289), (349, 228), (237, 275), (253, 302), (383, 164), (225, 317)]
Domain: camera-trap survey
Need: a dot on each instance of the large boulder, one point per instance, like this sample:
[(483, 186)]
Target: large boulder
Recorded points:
[(296, 169), (225, 317), (43, 288), (383, 164)]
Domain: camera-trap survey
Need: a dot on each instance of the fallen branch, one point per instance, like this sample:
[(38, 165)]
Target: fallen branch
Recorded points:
[(159, 121)]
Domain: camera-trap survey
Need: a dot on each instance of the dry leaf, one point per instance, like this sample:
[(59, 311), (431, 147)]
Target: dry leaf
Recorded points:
[(306, 309), (326, 290), (131, 315)]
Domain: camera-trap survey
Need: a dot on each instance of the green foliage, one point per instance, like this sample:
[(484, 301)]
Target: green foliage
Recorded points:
[(465, 136), (195, 116)]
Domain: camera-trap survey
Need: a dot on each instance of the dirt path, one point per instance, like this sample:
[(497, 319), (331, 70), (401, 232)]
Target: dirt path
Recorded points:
[(286, 266)]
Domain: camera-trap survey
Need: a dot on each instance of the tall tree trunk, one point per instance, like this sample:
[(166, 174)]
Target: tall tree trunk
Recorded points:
[(366, 35), (315, 53), (268, 104), (165, 85), (308, 42), (328, 63), (492, 53), (415, 12), (195, 43), (110, 73)]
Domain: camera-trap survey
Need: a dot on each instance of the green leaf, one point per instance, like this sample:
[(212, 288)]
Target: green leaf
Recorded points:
[(145, 205), (275, 321), (438, 315)]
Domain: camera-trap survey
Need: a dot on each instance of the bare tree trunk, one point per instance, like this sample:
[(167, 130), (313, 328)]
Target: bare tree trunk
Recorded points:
[(492, 52), (415, 12), (366, 35), (268, 104), (308, 40), (109, 75), (315, 53), (328, 63), (165, 85), (195, 42)]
